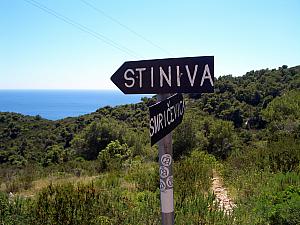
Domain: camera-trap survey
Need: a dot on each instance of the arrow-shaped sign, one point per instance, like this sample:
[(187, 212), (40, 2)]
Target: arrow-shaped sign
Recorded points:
[(165, 116), (174, 75)]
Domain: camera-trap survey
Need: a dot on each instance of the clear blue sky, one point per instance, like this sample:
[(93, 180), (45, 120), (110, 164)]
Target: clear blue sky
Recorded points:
[(40, 51)]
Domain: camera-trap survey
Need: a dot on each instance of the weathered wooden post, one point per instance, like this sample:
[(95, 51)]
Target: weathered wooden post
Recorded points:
[(166, 174)]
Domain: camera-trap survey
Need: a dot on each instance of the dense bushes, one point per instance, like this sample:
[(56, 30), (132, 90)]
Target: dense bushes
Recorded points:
[(265, 180), (214, 136), (277, 156), (184, 137), (281, 207), (15, 210), (268, 198), (283, 115), (32, 139), (130, 197), (96, 137), (68, 204), (242, 100), (114, 155)]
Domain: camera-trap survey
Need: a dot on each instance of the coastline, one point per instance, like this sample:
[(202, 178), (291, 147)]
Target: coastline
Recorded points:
[(55, 104)]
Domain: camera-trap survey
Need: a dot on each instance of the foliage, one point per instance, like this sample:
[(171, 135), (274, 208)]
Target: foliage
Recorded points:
[(261, 178), (14, 211), (282, 207), (284, 107), (143, 176), (196, 170), (56, 154), (112, 200), (184, 137), (96, 137), (270, 199), (284, 155), (114, 155), (241, 99), (283, 114), (221, 139), (215, 136)]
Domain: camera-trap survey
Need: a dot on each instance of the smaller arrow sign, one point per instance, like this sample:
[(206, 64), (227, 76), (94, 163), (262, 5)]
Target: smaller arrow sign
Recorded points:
[(165, 116)]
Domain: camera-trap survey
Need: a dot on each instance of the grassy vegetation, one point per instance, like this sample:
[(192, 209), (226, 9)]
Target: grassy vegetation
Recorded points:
[(100, 169), (126, 196)]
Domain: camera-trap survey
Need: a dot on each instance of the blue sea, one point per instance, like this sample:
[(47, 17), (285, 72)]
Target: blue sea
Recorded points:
[(58, 104)]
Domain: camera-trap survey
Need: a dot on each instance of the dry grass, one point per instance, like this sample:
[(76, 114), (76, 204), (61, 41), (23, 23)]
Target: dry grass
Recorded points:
[(38, 185)]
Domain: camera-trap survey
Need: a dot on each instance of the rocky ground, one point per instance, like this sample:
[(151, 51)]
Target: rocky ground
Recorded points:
[(223, 198)]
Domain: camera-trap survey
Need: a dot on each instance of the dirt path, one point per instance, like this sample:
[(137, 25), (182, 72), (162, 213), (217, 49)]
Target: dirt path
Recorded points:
[(223, 199)]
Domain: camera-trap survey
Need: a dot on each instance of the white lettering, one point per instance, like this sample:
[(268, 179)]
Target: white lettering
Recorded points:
[(140, 70), (129, 78), (168, 112), (175, 110), (171, 109), (192, 79), (160, 120), (182, 103), (165, 119), (179, 74), (151, 76), (164, 75), (206, 75), (156, 124), (151, 127)]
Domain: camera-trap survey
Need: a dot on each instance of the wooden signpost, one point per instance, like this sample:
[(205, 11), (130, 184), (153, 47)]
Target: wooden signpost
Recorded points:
[(162, 77)]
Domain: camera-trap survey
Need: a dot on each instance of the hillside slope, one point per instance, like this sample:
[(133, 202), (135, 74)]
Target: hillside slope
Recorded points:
[(248, 131), (241, 100)]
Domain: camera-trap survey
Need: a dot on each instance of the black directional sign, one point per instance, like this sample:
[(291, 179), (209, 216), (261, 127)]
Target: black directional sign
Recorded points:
[(173, 75), (165, 116)]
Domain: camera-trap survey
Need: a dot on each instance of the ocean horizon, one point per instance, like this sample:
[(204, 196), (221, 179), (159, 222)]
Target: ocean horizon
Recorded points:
[(55, 104)]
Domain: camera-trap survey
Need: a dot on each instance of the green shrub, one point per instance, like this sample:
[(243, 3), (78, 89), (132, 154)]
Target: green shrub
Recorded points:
[(114, 155), (284, 155), (267, 198), (194, 173), (86, 204), (96, 137), (286, 206), (277, 156), (221, 139), (144, 176), (200, 209), (184, 137), (15, 210), (67, 204), (279, 208)]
